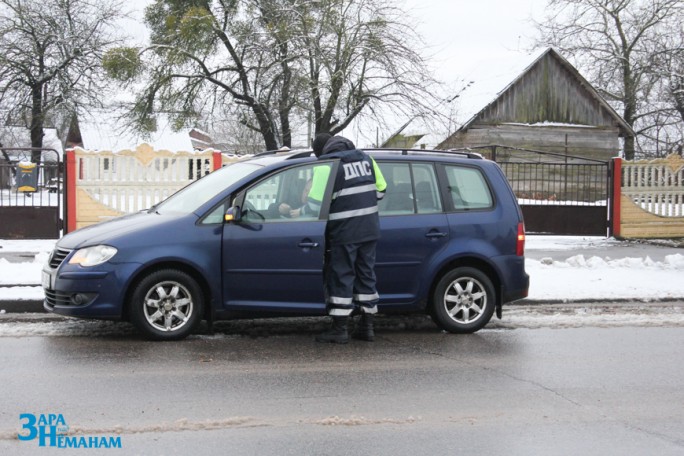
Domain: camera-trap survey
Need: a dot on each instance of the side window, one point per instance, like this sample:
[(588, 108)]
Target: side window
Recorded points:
[(292, 194), (468, 188), (399, 194), (411, 189), (215, 216), (427, 192)]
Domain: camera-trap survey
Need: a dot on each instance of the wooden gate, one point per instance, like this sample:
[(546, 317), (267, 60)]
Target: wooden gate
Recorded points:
[(31, 194), (651, 202), (104, 184)]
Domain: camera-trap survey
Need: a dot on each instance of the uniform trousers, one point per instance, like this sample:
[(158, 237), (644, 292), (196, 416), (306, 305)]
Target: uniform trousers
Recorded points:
[(350, 279)]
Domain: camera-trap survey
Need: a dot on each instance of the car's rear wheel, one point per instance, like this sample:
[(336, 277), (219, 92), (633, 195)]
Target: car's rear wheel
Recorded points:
[(463, 301), (167, 305)]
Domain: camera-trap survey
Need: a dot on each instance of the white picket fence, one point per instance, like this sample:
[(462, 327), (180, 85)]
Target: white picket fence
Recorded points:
[(130, 181), (656, 186)]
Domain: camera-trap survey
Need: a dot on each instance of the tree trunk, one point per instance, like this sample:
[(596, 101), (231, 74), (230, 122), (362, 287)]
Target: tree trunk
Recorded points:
[(629, 113), (677, 89), (629, 148), (287, 131), (265, 127), (36, 121), (284, 102)]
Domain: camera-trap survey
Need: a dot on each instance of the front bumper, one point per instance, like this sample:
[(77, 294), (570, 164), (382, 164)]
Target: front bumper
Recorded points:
[(86, 293)]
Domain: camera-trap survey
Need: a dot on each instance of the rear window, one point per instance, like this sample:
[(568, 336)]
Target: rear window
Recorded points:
[(468, 188)]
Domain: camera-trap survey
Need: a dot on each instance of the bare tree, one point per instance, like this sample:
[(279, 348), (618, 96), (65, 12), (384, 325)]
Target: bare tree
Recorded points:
[(671, 68), (672, 71), (50, 53), (614, 42), (362, 56), (276, 61)]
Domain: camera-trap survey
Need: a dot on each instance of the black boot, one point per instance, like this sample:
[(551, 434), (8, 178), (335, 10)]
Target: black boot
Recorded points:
[(364, 329), (337, 334)]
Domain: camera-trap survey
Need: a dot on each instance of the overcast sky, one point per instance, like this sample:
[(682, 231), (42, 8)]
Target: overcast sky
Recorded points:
[(458, 33), (464, 36), (488, 41), (462, 33)]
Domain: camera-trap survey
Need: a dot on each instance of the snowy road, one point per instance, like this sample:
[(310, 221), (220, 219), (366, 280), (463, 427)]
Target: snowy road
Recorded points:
[(535, 316)]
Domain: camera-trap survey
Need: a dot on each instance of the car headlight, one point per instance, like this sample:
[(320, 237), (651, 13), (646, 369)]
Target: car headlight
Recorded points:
[(92, 256)]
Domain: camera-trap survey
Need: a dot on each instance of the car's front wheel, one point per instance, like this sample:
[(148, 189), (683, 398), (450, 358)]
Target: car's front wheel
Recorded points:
[(463, 301), (167, 305)]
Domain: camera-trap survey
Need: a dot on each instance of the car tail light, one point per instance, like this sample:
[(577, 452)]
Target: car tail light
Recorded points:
[(520, 241)]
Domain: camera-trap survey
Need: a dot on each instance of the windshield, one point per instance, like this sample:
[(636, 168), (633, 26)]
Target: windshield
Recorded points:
[(193, 196)]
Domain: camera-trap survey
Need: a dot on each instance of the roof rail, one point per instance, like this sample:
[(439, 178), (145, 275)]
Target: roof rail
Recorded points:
[(301, 154), (291, 153), (405, 151), (267, 152)]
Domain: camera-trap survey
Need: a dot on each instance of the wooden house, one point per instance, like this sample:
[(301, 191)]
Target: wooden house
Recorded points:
[(548, 107)]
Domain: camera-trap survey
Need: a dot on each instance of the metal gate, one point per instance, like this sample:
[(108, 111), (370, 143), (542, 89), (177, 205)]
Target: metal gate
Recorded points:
[(558, 193), (31, 195)]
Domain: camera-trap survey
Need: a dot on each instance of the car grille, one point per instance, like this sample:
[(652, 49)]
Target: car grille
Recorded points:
[(53, 298), (57, 257)]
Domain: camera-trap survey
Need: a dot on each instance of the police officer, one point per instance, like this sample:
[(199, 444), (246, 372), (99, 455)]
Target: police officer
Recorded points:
[(352, 232)]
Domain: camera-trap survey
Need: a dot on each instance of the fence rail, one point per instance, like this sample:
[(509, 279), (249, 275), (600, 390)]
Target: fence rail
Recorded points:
[(125, 184), (558, 183), (548, 178), (48, 182), (30, 194), (108, 184)]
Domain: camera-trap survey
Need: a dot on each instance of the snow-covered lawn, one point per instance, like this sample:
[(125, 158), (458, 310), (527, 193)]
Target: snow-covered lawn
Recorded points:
[(575, 278), (580, 278)]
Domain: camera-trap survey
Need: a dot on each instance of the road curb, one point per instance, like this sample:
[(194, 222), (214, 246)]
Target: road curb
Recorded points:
[(35, 306), (589, 301), (21, 306)]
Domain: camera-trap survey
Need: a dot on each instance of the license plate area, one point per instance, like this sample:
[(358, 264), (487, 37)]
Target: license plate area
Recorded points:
[(47, 280)]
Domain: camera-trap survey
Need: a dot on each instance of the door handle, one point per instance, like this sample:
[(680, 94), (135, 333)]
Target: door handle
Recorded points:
[(435, 234), (308, 245)]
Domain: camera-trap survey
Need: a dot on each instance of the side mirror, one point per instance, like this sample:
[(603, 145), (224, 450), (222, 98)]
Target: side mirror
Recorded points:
[(232, 214)]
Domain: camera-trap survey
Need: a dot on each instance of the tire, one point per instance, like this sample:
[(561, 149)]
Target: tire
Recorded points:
[(463, 301), (167, 305)]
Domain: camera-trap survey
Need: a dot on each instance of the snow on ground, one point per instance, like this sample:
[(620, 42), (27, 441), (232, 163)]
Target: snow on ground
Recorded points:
[(557, 292), (563, 243), (27, 245), (580, 278), (577, 278)]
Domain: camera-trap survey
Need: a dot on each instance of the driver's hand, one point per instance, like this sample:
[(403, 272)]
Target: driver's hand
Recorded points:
[(295, 213), (284, 209)]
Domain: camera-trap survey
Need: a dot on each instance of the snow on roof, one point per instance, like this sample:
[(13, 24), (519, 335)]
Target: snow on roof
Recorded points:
[(481, 85), (428, 133), (486, 79), (106, 131)]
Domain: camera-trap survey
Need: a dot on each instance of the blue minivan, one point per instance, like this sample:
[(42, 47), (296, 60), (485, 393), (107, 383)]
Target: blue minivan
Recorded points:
[(452, 245)]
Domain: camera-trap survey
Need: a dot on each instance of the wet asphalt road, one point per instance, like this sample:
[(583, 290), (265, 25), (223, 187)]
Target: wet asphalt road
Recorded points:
[(416, 390)]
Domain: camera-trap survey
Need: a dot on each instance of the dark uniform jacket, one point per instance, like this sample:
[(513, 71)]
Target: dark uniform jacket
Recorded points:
[(353, 216)]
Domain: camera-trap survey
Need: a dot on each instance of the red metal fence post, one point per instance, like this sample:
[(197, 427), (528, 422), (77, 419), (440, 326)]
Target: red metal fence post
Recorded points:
[(70, 207), (217, 159)]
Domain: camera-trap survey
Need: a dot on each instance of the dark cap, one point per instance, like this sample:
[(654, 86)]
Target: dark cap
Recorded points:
[(319, 143)]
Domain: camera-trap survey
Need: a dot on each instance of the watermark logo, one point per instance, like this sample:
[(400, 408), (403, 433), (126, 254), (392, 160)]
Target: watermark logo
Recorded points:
[(50, 429)]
